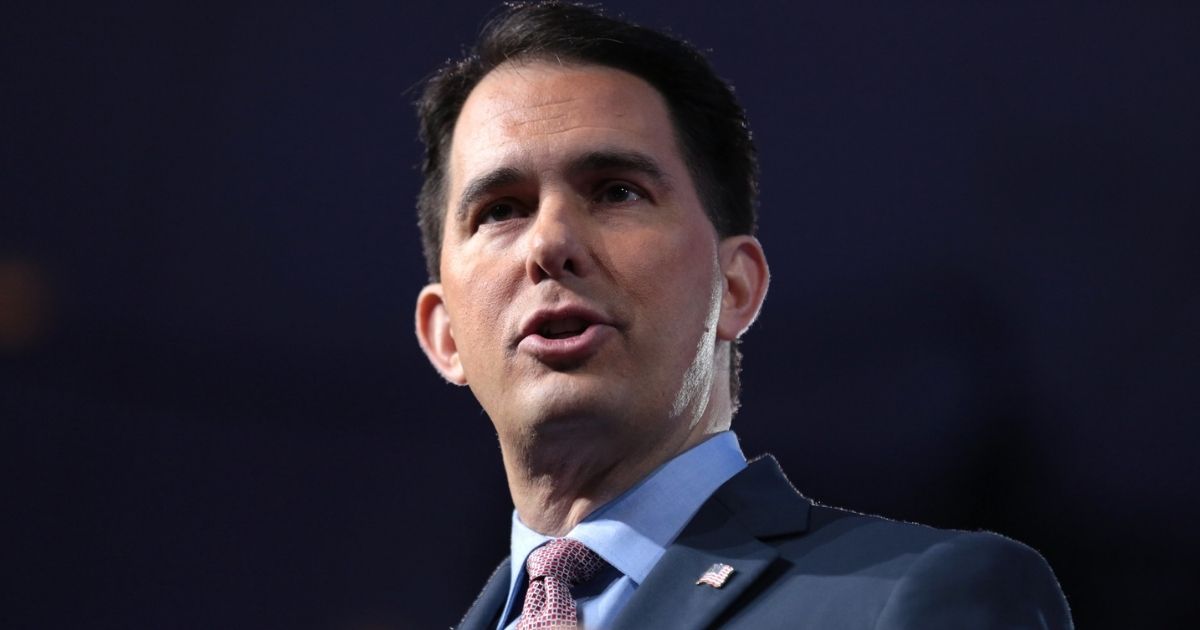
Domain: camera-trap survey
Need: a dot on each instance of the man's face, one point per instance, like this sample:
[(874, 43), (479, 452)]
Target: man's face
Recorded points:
[(581, 281)]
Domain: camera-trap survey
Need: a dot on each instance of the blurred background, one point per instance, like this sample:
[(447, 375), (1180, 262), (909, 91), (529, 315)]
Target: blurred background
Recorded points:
[(985, 310)]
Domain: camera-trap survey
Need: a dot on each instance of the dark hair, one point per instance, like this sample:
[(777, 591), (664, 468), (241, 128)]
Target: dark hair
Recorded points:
[(709, 123)]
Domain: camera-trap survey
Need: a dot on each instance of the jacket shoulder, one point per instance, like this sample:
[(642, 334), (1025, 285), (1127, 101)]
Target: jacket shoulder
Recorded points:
[(841, 569), (915, 576), (976, 580)]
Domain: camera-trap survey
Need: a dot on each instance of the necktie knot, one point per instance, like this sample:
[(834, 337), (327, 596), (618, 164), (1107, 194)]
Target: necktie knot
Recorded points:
[(565, 559), (553, 569)]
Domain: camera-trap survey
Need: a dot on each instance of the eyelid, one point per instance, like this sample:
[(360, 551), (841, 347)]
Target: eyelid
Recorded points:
[(609, 184), (479, 214)]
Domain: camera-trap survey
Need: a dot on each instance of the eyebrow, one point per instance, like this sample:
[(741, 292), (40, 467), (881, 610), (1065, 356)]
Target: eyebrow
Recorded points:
[(634, 161), (593, 161), (484, 184)]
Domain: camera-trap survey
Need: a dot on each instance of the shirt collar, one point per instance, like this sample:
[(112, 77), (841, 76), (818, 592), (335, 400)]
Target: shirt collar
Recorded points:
[(632, 531)]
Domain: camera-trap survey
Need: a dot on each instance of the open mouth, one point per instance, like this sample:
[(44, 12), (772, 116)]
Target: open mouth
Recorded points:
[(566, 336), (563, 328)]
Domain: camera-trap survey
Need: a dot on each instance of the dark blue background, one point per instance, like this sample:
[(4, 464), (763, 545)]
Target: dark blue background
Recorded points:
[(981, 217)]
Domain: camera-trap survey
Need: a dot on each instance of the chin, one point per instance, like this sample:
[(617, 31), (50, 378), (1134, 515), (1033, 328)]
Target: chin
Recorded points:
[(568, 403)]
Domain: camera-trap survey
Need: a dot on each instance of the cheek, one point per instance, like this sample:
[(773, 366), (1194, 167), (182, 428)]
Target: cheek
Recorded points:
[(478, 307), (673, 278)]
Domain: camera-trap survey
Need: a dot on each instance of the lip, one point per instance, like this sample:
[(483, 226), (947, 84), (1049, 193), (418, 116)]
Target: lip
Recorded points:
[(564, 351)]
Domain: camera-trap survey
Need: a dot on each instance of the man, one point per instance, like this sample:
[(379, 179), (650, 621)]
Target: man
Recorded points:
[(588, 219)]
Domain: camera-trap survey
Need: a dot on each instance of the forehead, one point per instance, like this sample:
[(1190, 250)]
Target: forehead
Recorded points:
[(535, 113)]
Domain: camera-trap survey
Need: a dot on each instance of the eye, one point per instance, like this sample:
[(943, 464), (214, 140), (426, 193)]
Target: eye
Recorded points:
[(619, 194), (498, 212)]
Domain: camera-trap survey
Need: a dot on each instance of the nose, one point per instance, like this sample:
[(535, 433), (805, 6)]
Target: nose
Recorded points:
[(557, 241)]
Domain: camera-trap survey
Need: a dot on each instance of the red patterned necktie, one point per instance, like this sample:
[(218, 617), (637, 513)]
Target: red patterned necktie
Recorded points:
[(553, 569)]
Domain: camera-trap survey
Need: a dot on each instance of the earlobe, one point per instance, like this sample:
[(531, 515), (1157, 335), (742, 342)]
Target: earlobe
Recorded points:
[(436, 337), (744, 266)]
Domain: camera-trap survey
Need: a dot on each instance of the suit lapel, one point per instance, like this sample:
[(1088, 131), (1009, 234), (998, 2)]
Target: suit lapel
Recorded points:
[(670, 597), (757, 502), (489, 603)]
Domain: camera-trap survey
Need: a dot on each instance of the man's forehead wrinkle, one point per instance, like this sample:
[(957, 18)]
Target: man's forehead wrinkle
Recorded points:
[(512, 111), (555, 132), (543, 125)]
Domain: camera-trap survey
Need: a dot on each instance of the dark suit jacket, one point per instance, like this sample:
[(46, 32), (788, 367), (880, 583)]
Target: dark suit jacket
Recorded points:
[(800, 565)]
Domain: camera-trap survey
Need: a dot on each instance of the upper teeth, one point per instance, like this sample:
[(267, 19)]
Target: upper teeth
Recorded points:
[(561, 326)]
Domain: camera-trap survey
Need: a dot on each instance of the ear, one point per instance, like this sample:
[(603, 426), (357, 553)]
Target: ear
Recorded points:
[(744, 266), (435, 336)]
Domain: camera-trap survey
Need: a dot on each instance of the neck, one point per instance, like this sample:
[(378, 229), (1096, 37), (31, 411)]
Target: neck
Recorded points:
[(557, 480)]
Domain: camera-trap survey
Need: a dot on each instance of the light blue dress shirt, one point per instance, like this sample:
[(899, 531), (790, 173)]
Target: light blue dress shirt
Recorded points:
[(632, 531)]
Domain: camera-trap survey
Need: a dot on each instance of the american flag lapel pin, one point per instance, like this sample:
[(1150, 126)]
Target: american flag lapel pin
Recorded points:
[(716, 575)]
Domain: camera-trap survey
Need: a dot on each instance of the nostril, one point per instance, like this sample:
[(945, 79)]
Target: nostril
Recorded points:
[(555, 246)]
